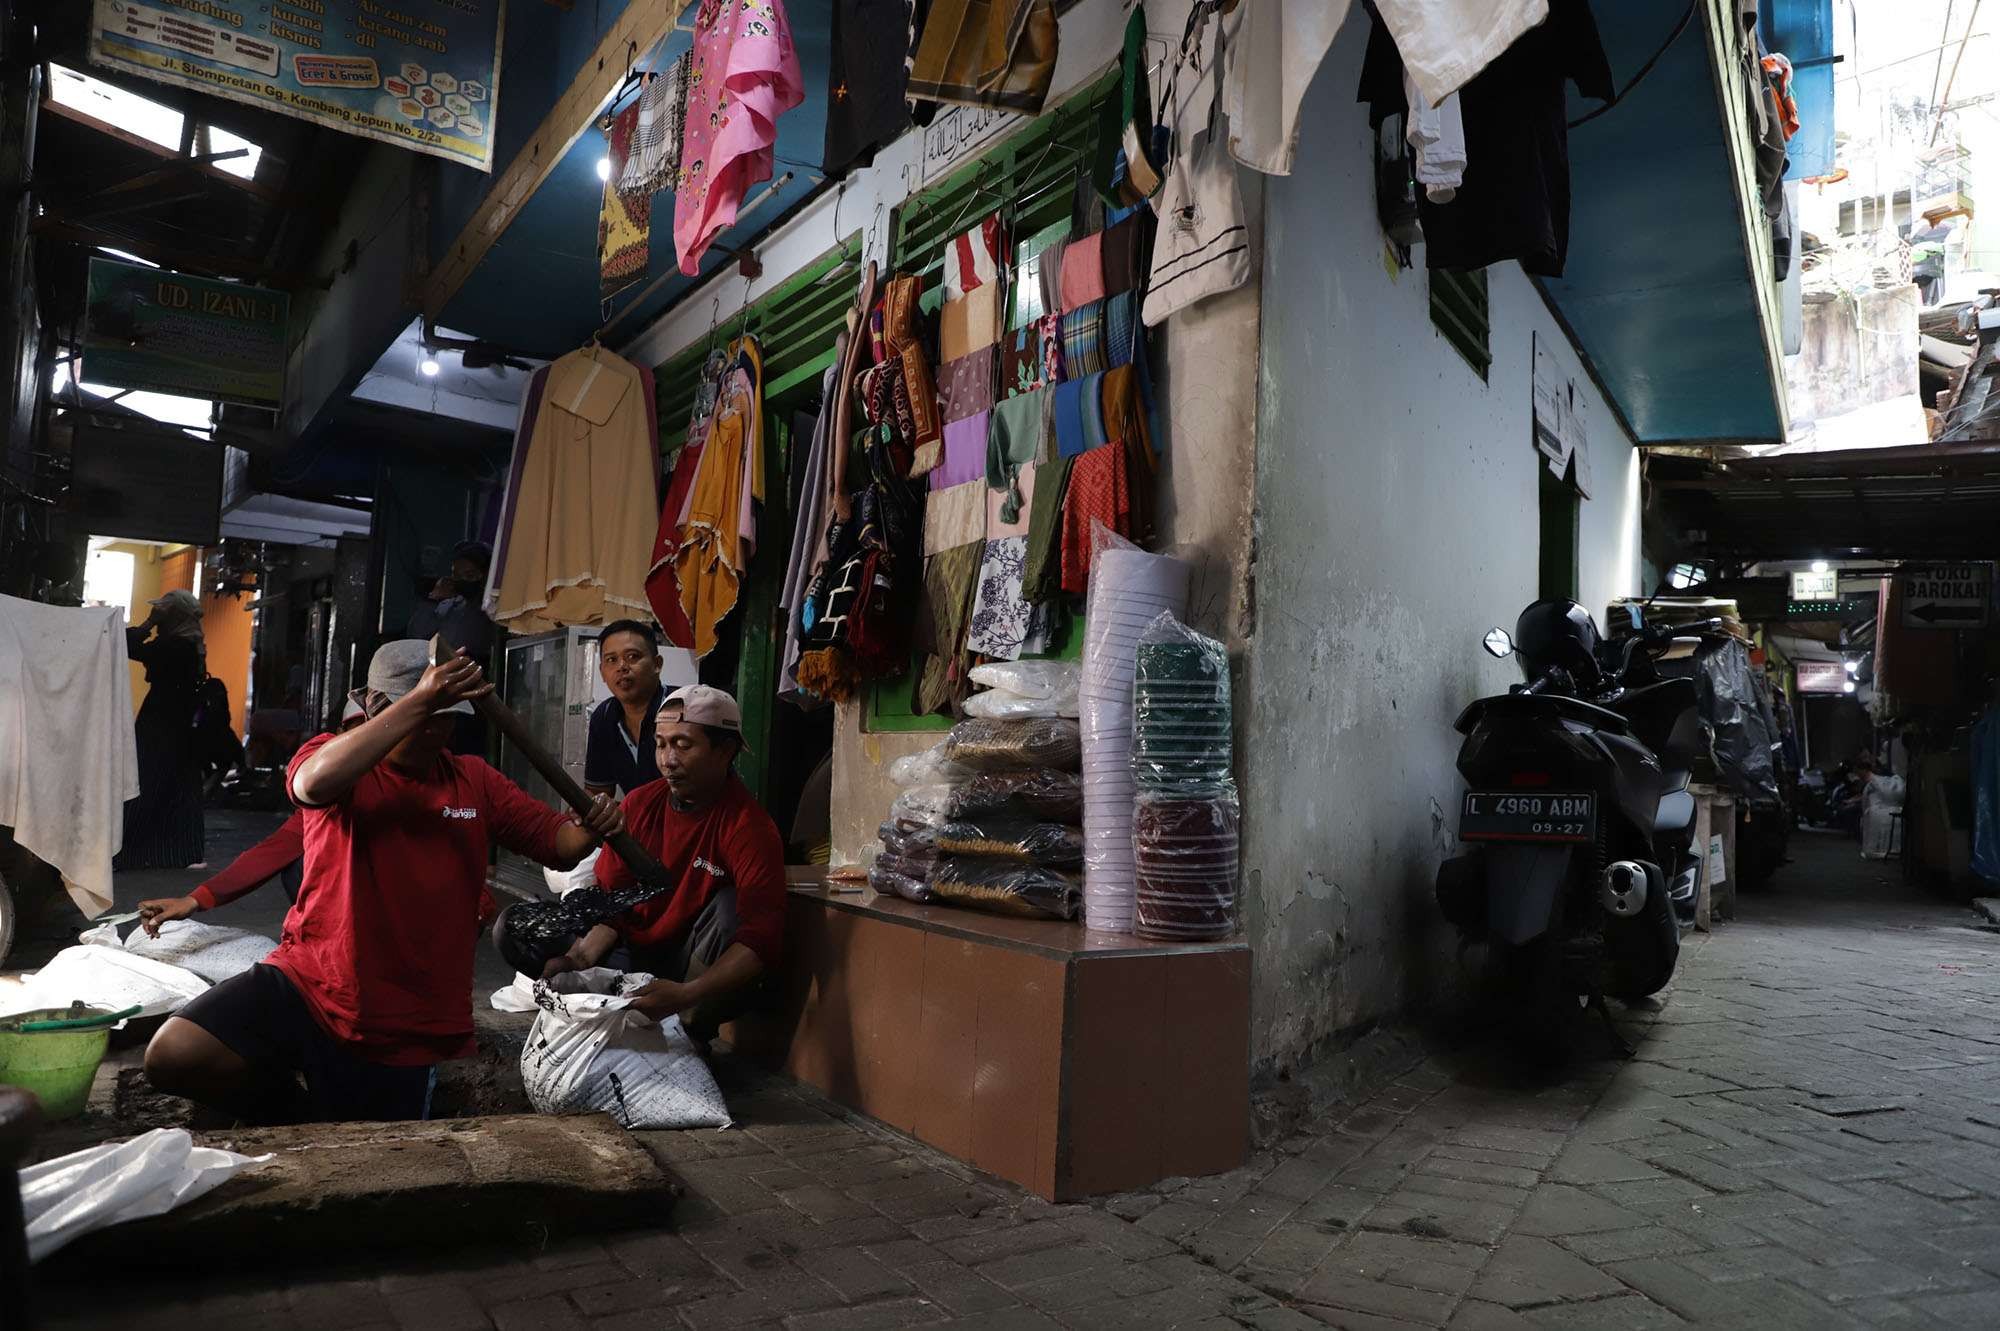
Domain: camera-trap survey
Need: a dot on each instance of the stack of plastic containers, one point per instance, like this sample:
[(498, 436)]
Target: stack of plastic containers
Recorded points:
[(1129, 589), (1185, 818)]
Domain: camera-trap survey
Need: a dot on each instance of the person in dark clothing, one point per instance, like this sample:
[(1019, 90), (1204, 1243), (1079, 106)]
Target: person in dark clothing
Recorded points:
[(618, 752), (452, 611), (163, 827)]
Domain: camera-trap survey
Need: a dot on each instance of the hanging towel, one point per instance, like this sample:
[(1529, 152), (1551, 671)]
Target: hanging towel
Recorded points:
[(1273, 51), (655, 161), (954, 516), (1083, 341), (1083, 272), (972, 258), (964, 453), (587, 502), (68, 757), (1446, 43), (745, 75), (1068, 404), (1437, 133), (524, 427), (970, 323), (1051, 265), (965, 385)]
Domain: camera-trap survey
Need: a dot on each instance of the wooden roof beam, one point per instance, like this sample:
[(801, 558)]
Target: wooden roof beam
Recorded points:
[(641, 27)]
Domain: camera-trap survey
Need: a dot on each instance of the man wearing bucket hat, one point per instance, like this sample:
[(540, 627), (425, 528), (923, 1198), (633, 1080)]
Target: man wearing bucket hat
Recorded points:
[(371, 984), (712, 939)]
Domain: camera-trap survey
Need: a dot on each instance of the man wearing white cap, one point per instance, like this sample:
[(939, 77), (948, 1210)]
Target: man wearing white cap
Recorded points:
[(711, 939), (371, 984)]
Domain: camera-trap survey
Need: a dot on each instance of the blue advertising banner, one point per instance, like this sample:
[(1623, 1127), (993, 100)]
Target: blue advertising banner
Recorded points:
[(423, 74)]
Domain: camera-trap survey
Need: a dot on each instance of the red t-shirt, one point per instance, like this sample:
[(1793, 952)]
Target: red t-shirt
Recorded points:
[(380, 941), (733, 843), (256, 866)]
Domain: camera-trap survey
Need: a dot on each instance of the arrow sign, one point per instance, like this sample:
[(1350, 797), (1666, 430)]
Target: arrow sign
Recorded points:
[(1953, 596), (1945, 614)]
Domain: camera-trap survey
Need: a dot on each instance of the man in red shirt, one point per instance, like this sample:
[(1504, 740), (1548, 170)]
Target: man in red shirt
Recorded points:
[(715, 936), (371, 984)]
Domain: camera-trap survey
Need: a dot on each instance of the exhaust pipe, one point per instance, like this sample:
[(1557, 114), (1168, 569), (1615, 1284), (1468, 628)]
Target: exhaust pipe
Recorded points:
[(1624, 889)]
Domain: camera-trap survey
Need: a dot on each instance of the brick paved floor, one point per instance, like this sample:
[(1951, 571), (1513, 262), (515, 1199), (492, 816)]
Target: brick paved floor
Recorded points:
[(1806, 1137)]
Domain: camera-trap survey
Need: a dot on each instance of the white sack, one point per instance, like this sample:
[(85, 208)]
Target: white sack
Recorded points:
[(589, 1052), (212, 951), (148, 1175), (106, 977)]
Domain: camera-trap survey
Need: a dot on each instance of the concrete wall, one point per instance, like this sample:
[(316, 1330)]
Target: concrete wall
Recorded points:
[(1396, 520), (1854, 351)]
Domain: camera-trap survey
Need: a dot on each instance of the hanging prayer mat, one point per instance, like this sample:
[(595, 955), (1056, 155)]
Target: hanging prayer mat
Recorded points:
[(624, 221)]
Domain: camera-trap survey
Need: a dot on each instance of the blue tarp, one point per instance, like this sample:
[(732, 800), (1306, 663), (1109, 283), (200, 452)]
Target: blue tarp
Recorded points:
[(1802, 32)]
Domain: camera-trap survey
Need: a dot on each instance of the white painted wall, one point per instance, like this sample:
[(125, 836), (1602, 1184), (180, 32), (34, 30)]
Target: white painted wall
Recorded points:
[(1396, 521)]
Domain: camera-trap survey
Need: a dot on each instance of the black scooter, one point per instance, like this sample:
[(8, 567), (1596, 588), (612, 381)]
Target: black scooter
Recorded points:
[(1580, 819)]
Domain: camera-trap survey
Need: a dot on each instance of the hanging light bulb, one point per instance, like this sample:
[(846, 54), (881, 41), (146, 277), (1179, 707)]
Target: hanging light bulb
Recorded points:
[(1819, 566), (429, 366), (1848, 687), (604, 168)]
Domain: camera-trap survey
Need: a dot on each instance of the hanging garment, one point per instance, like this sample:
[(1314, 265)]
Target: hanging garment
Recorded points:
[(1000, 614), (1099, 490), (972, 258), (524, 425), (807, 528), (707, 564), (1271, 55), (745, 76), (1202, 245), (1123, 413), (965, 385), (1003, 518), (624, 221), (655, 160), (868, 75), (1437, 134), (903, 340), (1142, 143), (1036, 259), (964, 452), (1049, 271), (1121, 252), (1021, 361), (1083, 272), (1053, 369), (987, 53), (1121, 329), (1067, 401), (589, 496), (1514, 200), (970, 323), (1083, 341), (1041, 574), (663, 588), (1446, 44), (951, 580), (1014, 440), (955, 516), (69, 757)]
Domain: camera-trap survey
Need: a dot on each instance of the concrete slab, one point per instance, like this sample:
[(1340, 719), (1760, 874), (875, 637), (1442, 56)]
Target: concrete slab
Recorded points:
[(1989, 907), (351, 1187)]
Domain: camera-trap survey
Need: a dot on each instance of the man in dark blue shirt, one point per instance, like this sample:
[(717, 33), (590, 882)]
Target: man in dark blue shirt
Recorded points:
[(618, 753)]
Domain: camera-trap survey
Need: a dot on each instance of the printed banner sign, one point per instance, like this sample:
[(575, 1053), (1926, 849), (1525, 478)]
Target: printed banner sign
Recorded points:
[(423, 74), (169, 333)]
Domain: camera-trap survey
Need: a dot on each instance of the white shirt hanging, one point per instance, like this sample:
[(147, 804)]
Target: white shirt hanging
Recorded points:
[(1273, 52), (1445, 43)]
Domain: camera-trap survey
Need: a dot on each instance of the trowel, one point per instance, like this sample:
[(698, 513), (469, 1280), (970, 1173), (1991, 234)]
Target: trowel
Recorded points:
[(530, 933)]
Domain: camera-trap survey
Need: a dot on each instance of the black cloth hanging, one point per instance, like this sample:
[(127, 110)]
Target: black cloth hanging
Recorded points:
[(1514, 203), (869, 73)]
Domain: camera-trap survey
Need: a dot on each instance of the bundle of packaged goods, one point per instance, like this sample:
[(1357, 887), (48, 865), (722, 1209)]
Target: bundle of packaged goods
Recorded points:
[(991, 817), (1185, 815)]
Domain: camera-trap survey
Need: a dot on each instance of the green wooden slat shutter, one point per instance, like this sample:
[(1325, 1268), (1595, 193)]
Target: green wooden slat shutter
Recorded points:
[(1459, 310)]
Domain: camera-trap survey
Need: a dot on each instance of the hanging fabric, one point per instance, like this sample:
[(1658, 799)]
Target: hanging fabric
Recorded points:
[(903, 340), (624, 221), (970, 323), (1083, 272), (1202, 245), (1437, 136), (1445, 44), (1275, 48), (708, 564), (588, 497), (745, 75), (867, 83), (972, 259), (655, 160), (1142, 142), (809, 524), (998, 53)]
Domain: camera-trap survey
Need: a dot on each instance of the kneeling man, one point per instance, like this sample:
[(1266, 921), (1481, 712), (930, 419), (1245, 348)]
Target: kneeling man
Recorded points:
[(371, 983), (711, 939)]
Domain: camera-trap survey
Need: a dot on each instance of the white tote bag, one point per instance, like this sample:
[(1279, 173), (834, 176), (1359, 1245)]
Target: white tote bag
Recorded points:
[(1202, 247)]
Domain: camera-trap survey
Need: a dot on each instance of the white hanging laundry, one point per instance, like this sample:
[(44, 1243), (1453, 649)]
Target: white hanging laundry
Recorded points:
[(1446, 43), (1438, 135), (1272, 52)]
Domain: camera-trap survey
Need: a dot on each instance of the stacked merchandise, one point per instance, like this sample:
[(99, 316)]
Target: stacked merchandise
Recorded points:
[(1185, 819), (996, 824), (1129, 590)]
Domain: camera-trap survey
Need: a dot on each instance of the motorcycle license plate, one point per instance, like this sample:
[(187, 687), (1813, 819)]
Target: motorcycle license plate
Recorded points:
[(1514, 816)]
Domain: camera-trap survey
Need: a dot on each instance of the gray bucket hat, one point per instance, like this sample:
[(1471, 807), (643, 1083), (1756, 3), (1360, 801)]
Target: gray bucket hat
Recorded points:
[(396, 668)]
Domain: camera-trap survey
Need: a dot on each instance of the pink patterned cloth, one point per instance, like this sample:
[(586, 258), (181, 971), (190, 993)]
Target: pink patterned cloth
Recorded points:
[(746, 75)]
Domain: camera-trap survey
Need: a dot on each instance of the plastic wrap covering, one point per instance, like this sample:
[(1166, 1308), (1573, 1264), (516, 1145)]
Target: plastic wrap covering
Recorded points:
[(1025, 689), (1129, 589), (1000, 705), (1050, 844), (917, 841), (928, 768), (892, 877), (1006, 887), (1728, 701), (1005, 746), (1881, 801), (1986, 796), (1186, 853), (922, 806), (1040, 795), (1180, 712)]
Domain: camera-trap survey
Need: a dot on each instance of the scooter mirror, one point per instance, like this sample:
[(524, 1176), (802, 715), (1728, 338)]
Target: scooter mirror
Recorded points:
[(1500, 643)]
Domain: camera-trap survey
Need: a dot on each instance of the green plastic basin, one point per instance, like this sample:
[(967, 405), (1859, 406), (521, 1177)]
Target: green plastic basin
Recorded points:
[(57, 1065)]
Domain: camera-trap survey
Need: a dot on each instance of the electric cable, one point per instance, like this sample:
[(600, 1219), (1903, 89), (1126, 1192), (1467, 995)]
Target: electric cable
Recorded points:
[(1644, 69)]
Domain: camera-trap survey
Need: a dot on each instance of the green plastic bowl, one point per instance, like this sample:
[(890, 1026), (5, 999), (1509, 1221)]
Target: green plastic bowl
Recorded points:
[(54, 1052)]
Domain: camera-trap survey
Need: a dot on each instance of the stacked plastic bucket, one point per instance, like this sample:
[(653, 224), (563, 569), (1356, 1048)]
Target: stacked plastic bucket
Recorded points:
[(1185, 818)]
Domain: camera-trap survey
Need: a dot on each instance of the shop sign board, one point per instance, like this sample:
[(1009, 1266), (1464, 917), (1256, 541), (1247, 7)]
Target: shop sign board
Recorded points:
[(421, 74), (1821, 676), (1810, 586), (1951, 596), (960, 131), (166, 332)]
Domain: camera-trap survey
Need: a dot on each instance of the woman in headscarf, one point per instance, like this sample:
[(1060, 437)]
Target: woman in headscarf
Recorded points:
[(163, 827)]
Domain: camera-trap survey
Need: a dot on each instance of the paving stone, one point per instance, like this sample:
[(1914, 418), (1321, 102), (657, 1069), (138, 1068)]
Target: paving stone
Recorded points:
[(1065, 1293), (958, 1289), (1005, 1319), (852, 1273), (550, 1313), (1630, 1312), (1584, 1162), (1435, 1265), (1617, 1245), (1487, 1226), (1559, 1209), (869, 1317), (1128, 1241), (1527, 1271), (429, 1308), (1026, 1268), (999, 1243), (1727, 1264), (1757, 1302), (1479, 1171)]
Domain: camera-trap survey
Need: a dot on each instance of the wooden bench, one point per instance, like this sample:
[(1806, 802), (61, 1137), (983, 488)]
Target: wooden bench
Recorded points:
[(1066, 1061)]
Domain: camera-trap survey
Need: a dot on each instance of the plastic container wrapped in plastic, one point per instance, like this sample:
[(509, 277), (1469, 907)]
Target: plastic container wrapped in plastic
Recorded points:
[(1052, 844), (1018, 689), (910, 841), (1181, 740), (1006, 887), (1038, 794), (1005, 746), (1186, 852), (922, 806), (1000, 705), (928, 768), (891, 881)]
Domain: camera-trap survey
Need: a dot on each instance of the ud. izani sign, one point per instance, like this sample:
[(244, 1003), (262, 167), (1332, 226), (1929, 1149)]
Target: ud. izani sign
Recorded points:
[(169, 333), (423, 74)]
